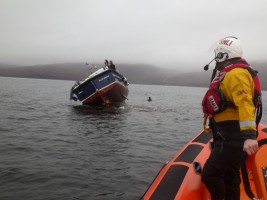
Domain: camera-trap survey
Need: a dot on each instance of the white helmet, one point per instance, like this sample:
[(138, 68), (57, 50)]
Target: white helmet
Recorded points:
[(228, 48)]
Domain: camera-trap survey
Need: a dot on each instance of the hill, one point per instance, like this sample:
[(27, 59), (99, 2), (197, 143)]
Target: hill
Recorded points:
[(135, 73)]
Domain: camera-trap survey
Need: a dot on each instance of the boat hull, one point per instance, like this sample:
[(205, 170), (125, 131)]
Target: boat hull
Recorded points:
[(180, 178), (110, 94), (104, 88)]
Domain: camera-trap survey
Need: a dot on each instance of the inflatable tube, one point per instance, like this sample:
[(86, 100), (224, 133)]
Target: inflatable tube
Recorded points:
[(180, 178)]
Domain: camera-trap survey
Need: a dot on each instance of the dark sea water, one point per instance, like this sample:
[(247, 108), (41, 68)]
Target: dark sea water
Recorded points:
[(54, 149)]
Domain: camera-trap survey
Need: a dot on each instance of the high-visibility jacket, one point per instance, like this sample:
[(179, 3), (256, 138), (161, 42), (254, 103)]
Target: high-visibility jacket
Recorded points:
[(238, 87)]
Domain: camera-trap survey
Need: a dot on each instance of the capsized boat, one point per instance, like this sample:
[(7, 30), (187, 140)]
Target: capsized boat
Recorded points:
[(104, 87), (180, 178)]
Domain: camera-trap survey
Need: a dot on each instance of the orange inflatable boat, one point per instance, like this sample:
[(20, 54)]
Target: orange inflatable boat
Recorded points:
[(179, 179)]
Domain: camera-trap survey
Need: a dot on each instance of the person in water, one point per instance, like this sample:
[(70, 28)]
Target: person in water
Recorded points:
[(234, 127), (111, 65), (149, 99)]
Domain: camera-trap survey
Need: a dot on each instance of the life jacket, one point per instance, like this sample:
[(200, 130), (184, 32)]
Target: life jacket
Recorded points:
[(214, 100)]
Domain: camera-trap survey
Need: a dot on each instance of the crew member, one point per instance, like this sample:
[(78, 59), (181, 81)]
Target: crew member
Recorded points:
[(234, 124), (111, 65)]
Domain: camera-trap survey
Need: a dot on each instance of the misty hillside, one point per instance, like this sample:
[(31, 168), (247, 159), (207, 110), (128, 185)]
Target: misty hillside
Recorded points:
[(135, 73)]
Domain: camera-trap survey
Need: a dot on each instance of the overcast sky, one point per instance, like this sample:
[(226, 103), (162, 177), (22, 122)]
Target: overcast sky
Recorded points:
[(165, 33)]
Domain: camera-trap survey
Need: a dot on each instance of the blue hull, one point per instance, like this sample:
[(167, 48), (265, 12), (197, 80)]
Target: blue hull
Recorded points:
[(103, 88)]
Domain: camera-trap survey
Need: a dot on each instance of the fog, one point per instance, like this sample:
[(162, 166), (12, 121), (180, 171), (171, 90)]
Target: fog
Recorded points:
[(169, 34)]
